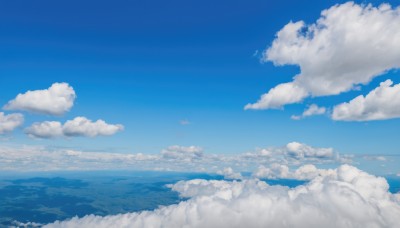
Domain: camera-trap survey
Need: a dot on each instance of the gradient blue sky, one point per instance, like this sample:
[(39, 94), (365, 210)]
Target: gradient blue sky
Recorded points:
[(150, 64)]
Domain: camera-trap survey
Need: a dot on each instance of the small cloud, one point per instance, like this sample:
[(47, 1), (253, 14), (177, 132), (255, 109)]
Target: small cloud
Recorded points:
[(375, 158), (9, 122), (229, 174), (255, 54), (182, 152), (312, 110), (79, 126)]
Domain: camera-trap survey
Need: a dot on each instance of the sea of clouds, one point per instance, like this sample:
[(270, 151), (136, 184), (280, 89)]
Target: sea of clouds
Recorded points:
[(342, 197)]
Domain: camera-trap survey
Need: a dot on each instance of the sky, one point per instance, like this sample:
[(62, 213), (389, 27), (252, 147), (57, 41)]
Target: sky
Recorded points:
[(187, 76)]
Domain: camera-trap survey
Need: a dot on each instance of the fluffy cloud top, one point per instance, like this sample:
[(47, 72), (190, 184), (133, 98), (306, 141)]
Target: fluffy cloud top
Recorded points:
[(79, 126), (253, 203), (56, 100), (10, 122), (300, 150), (348, 45), (381, 103), (312, 110), (228, 173)]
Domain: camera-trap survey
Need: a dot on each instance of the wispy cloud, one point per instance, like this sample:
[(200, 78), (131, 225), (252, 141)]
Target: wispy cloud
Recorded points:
[(184, 122)]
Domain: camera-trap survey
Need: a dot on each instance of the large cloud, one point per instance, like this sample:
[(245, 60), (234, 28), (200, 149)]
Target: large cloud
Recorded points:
[(79, 126), (381, 103), (56, 100), (10, 122), (348, 45), (326, 201)]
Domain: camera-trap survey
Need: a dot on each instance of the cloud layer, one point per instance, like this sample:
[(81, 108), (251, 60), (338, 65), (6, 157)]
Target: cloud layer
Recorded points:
[(381, 103), (173, 158), (79, 126), (56, 100), (253, 203), (348, 45), (9, 122)]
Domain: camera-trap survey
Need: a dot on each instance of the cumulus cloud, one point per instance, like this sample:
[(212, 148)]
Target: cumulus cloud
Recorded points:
[(347, 46), (9, 122), (279, 171), (381, 103), (301, 150), (254, 203), (312, 110), (79, 126), (56, 100), (228, 173), (285, 93), (47, 129)]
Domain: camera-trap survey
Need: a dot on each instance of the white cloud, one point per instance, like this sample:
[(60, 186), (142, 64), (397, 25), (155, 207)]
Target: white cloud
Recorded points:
[(300, 150), (228, 173), (381, 103), (312, 110), (9, 122), (254, 203), (348, 45), (56, 100), (292, 154), (285, 93), (46, 129), (183, 153), (173, 158), (79, 126), (278, 171)]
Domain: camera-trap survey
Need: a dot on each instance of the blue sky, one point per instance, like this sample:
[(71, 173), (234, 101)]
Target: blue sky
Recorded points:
[(150, 64)]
